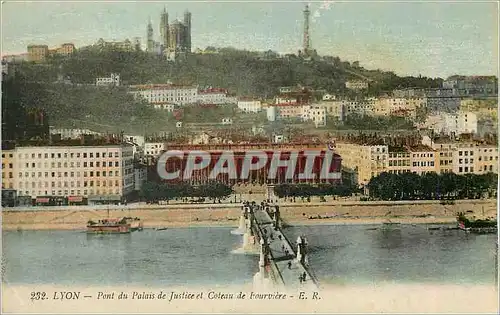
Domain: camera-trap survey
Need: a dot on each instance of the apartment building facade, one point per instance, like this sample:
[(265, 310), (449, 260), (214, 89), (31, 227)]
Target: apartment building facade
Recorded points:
[(250, 106), (112, 80), (363, 161), (464, 156), (358, 108), (314, 113), (95, 172), (8, 169), (422, 159), (289, 110), (166, 93), (487, 159), (67, 133), (398, 161), (215, 96), (356, 85), (461, 122), (153, 148), (393, 106), (333, 109), (483, 108), (38, 53)]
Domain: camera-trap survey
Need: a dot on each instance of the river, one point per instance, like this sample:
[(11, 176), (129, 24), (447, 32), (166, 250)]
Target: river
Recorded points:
[(339, 254)]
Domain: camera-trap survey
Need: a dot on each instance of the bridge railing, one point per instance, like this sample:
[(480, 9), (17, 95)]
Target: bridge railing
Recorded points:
[(270, 253), (308, 270)]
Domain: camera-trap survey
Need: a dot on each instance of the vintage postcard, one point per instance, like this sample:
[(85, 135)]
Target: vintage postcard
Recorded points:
[(249, 156)]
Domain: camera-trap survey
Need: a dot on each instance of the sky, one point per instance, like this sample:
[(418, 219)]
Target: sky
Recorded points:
[(435, 39)]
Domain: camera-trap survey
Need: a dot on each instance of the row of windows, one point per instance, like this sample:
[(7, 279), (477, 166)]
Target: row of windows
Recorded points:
[(399, 163), (71, 155), (169, 92), (169, 99), (378, 150), (490, 158), (423, 155), (10, 175), (72, 192), (467, 161), (10, 155), (423, 163), (70, 184), (465, 153), (446, 162), (399, 171), (71, 164), (399, 155), (72, 174), (466, 169)]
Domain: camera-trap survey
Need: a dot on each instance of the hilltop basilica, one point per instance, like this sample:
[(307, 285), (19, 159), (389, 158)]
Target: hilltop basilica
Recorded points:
[(175, 38)]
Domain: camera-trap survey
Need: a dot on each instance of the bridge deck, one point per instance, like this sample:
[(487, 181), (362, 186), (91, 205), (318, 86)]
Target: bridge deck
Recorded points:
[(282, 253)]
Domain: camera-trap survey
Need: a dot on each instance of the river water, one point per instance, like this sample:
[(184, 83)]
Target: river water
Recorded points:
[(345, 254)]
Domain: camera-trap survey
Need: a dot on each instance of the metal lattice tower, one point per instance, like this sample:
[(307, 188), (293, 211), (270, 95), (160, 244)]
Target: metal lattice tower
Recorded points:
[(307, 40), (150, 36)]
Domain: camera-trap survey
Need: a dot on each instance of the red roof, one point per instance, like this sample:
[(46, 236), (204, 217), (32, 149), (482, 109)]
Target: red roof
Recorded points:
[(295, 104), (161, 87), (212, 91)]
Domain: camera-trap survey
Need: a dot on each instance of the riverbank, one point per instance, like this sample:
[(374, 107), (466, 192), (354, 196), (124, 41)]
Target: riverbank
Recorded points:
[(71, 218)]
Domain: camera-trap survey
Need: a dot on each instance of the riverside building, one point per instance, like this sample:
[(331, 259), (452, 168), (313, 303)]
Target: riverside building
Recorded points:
[(98, 173)]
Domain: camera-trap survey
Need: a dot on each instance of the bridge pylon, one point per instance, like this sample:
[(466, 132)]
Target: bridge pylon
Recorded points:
[(250, 243), (302, 251)]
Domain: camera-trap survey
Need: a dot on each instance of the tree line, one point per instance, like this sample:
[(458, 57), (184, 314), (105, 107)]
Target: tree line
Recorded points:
[(367, 122), (243, 72), (432, 186), (308, 190), (154, 192)]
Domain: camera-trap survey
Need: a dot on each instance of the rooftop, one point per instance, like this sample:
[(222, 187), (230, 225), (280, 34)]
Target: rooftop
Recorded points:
[(420, 148), (212, 91), (161, 87)]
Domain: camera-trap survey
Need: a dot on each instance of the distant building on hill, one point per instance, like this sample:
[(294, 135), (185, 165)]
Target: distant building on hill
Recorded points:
[(71, 133), (125, 45), (356, 85), (472, 85), (112, 80), (39, 53), (165, 93), (215, 96), (175, 37), (249, 105)]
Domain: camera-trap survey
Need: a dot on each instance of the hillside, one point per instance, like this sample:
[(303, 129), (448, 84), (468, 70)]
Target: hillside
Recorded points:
[(99, 109), (244, 73)]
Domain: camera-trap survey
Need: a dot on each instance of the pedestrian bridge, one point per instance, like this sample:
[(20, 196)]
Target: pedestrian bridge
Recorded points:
[(280, 265)]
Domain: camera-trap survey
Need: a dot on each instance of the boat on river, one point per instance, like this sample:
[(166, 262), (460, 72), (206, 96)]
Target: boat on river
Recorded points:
[(478, 226), (114, 226)]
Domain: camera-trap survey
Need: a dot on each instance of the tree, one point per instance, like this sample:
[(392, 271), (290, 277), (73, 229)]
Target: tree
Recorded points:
[(410, 186)]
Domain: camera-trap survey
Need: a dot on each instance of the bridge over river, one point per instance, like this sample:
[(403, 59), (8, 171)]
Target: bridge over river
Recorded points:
[(280, 265)]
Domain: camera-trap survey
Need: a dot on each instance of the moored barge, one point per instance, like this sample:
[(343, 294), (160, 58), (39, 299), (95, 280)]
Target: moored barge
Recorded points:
[(478, 226), (114, 226)]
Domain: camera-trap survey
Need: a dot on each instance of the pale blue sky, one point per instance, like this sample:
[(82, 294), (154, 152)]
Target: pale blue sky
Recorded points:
[(409, 38)]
